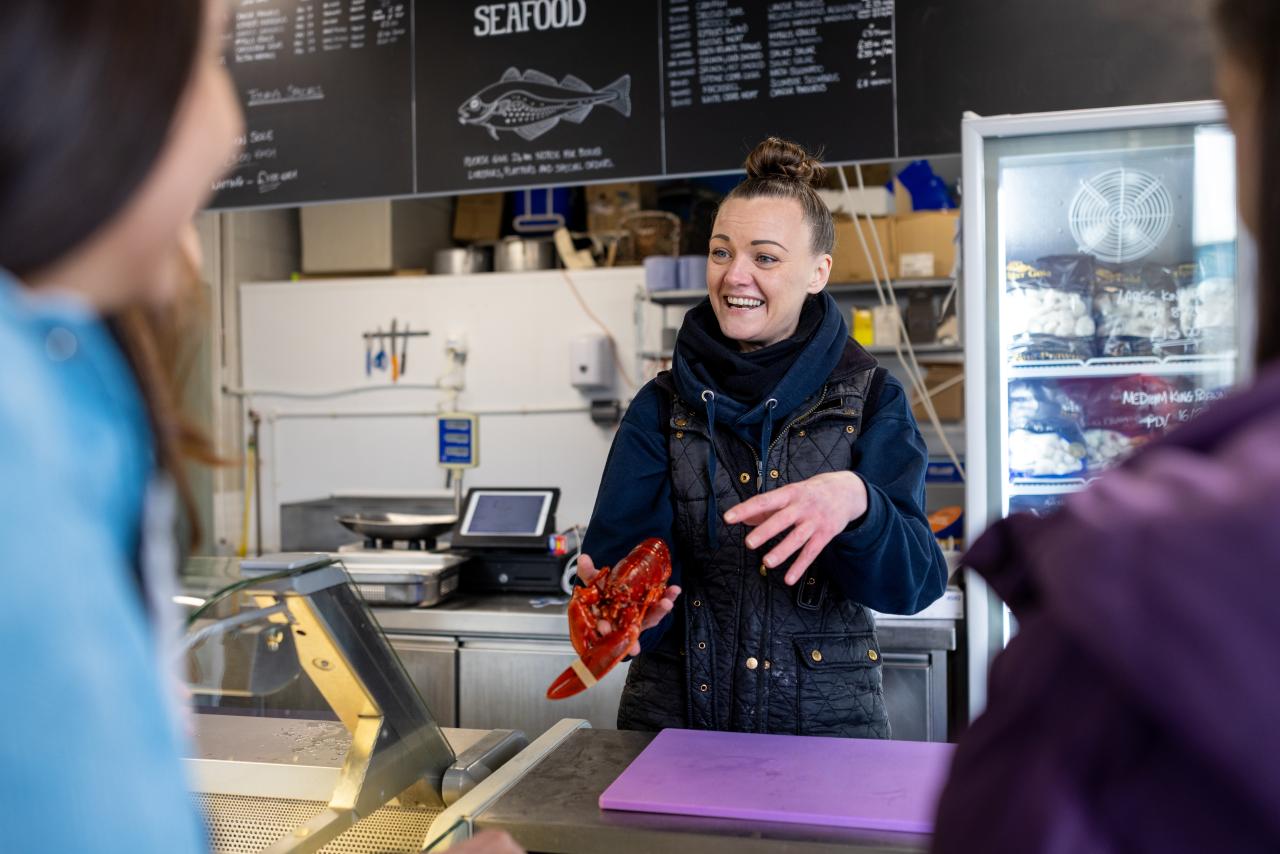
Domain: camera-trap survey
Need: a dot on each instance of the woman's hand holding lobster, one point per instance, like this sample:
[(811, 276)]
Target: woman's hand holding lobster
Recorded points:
[(659, 609)]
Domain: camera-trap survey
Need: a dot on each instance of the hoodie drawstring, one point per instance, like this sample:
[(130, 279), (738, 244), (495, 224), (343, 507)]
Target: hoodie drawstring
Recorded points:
[(766, 437), (709, 401)]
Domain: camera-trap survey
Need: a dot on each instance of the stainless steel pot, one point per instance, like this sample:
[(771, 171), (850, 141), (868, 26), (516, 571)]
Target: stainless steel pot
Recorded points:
[(515, 255), (460, 262)]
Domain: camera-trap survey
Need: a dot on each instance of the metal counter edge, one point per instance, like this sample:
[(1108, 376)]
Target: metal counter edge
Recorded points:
[(456, 821)]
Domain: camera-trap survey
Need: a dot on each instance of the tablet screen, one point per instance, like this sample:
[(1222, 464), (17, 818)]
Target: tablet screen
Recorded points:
[(506, 513)]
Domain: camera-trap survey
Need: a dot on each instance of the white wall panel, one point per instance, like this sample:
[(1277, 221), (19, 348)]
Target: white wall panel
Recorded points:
[(304, 338)]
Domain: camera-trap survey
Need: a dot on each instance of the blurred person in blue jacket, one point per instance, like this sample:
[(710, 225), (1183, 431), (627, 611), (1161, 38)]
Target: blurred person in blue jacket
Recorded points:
[(784, 468), (119, 117)]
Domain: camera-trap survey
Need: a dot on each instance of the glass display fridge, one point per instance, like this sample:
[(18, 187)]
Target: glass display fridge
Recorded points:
[(1102, 305)]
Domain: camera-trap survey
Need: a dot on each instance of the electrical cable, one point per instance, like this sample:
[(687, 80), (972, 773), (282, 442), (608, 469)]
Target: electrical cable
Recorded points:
[(888, 296), (913, 373), (952, 293), (571, 565), (323, 395), (250, 460), (234, 588), (244, 618)]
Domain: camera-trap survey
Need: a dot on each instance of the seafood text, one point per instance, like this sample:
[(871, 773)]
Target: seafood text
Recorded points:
[(500, 19)]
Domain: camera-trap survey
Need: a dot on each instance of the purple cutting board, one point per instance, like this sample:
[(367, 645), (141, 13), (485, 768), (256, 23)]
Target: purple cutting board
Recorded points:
[(842, 782)]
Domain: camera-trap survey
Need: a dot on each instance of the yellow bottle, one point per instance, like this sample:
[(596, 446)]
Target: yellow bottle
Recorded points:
[(863, 329)]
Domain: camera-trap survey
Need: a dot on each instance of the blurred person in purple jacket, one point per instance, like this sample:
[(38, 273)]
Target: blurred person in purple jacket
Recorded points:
[(1138, 708)]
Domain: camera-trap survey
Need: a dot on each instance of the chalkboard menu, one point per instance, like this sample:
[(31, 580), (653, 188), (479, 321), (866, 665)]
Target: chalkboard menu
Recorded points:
[(559, 92), (326, 87), (994, 57), (368, 98), (818, 72)]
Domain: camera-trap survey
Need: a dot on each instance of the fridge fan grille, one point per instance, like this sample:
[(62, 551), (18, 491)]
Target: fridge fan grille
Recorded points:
[(1121, 214)]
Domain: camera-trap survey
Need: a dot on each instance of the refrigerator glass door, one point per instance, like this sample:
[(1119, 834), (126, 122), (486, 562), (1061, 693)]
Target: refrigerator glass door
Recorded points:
[(1113, 259), (1102, 306)]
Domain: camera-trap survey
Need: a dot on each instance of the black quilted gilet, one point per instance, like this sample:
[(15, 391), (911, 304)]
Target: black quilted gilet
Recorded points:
[(748, 653)]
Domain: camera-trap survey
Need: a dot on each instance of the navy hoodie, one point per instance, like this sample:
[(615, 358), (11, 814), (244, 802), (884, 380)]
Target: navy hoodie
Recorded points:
[(887, 560)]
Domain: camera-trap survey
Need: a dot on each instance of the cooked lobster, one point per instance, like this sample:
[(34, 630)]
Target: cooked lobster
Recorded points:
[(619, 596)]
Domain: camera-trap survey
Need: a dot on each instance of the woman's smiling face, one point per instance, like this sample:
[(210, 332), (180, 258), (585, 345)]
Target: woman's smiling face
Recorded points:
[(760, 269)]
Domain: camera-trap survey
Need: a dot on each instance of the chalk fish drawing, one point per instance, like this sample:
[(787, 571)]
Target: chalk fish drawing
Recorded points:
[(532, 103)]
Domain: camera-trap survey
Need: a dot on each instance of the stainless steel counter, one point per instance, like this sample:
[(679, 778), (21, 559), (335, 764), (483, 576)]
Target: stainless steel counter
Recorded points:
[(469, 615), (553, 808), (257, 779), (288, 741), (484, 661), (513, 615), (509, 649)]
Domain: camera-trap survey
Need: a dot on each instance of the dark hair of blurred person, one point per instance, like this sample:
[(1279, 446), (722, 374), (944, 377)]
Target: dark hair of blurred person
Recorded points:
[(1249, 83), (90, 89)]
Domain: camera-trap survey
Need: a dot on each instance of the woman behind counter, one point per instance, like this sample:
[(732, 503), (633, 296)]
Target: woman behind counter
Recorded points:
[(786, 471), (119, 116)]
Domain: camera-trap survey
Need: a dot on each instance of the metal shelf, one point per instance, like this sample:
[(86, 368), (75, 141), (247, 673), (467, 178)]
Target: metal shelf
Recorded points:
[(858, 288), (1061, 487), (935, 352), (931, 350), (1122, 367), (675, 297), (835, 289)]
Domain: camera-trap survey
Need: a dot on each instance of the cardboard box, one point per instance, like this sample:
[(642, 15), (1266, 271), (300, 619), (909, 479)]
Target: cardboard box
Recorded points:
[(375, 236), (609, 204), (849, 263), (873, 175), (886, 330), (478, 217), (915, 265), (870, 201), (949, 402), (932, 232), (902, 201)]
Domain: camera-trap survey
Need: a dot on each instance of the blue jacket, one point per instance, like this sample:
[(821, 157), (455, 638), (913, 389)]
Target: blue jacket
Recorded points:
[(90, 753), (887, 560)]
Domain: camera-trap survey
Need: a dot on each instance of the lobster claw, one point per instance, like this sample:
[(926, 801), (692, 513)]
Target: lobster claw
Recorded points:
[(586, 671)]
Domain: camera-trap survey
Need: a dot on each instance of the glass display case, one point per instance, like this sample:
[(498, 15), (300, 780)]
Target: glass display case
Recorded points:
[(1102, 304)]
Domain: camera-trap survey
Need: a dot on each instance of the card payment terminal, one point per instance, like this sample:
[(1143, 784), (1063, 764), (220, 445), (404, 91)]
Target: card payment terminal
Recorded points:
[(509, 534)]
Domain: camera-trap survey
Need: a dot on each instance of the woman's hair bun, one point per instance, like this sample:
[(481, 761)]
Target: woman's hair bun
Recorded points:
[(780, 159)]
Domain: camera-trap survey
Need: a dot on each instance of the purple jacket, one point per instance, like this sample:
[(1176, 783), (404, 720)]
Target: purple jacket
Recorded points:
[(1138, 708)]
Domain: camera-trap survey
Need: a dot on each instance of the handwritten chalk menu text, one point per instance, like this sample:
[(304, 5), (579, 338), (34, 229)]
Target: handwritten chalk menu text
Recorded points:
[(818, 72), (352, 99), (326, 87)]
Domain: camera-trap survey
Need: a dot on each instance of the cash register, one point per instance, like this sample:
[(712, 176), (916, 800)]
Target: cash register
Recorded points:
[(510, 536)]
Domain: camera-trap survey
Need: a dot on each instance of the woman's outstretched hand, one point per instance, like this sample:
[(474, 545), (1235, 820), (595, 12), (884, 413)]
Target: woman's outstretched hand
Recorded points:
[(814, 510), (587, 571)]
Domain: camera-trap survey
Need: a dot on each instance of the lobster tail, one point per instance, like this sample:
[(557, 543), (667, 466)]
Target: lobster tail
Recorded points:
[(586, 671)]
